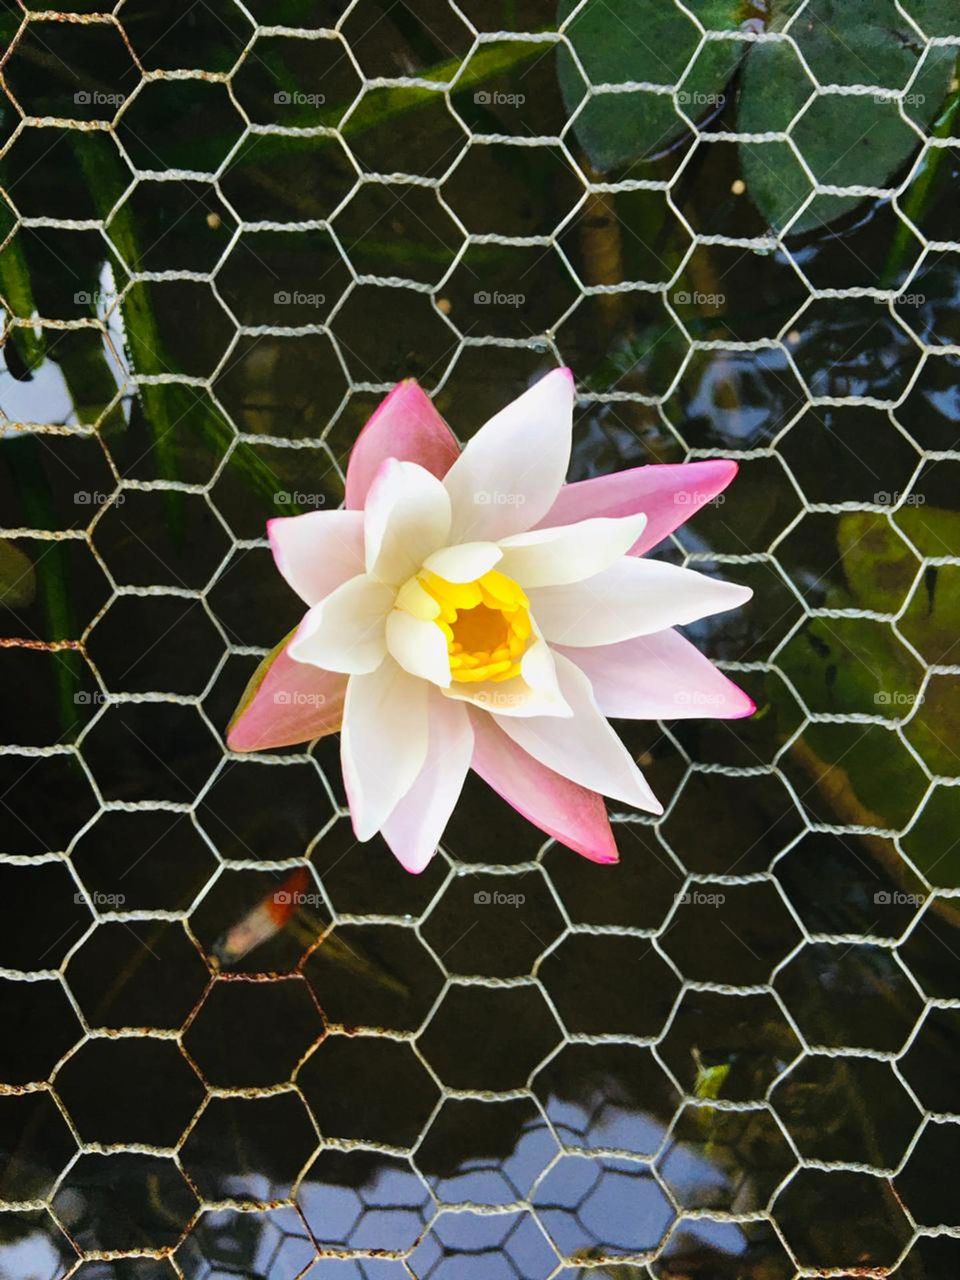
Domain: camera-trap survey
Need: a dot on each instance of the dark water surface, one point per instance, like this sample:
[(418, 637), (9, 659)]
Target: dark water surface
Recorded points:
[(732, 1057)]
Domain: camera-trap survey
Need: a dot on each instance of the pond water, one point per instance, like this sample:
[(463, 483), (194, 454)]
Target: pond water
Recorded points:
[(734, 1055)]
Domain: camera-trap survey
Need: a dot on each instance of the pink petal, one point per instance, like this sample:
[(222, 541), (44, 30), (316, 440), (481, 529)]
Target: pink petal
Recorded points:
[(286, 702), (566, 811), (667, 493), (659, 677), (317, 552), (406, 426), (584, 748)]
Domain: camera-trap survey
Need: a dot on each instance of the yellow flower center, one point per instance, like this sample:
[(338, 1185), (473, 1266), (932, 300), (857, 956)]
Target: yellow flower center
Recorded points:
[(486, 622)]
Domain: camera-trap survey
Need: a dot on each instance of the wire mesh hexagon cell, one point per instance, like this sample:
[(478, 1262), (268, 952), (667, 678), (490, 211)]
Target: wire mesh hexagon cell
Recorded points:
[(237, 1043)]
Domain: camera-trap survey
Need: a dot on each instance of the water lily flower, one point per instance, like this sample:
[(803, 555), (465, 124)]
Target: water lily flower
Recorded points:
[(468, 609)]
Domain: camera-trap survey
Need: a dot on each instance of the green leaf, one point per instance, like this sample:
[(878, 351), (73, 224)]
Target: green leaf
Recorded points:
[(932, 620), (862, 775), (623, 40), (167, 405), (391, 104), (774, 176), (18, 580), (878, 565), (846, 665), (629, 41), (932, 842), (923, 190), (710, 1080), (934, 17), (82, 358), (932, 530), (862, 42), (845, 139), (934, 729), (615, 129), (49, 578), (17, 292)]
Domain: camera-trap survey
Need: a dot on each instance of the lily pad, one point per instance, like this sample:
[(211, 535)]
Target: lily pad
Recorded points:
[(641, 41), (933, 17), (934, 730), (617, 129), (932, 841), (864, 42), (702, 90), (932, 530), (878, 565), (932, 620), (857, 139), (846, 665), (859, 775), (775, 178), (846, 139)]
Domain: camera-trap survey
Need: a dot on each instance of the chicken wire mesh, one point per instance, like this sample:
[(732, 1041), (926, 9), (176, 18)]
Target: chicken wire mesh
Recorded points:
[(236, 1042)]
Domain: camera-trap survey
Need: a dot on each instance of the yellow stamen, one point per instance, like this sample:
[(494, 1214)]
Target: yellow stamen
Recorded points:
[(486, 622)]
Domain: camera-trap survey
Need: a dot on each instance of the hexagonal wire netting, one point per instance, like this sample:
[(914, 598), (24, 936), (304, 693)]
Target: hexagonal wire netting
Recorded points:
[(735, 1054)]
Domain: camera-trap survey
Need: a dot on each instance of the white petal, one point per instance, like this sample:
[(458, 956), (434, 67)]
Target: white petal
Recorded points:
[(415, 827), (510, 472), (420, 647), (539, 671), (584, 748), (383, 743), (570, 552), (464, 563), (407, 517), (317, 551), (346, 630), (632, 598), (513, 697)]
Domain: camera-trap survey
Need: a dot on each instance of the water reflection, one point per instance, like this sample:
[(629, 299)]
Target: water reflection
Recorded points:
[(32, 1247), (590, 1208), (265, 1245)]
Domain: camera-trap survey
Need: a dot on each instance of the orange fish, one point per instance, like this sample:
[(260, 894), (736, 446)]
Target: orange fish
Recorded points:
[(284, 909), (264, 921)]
